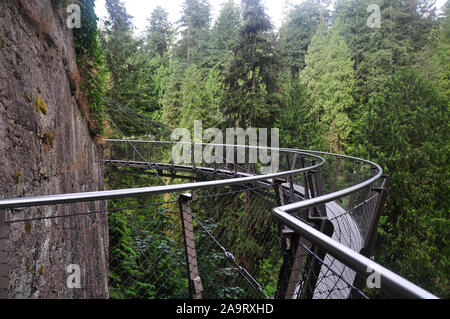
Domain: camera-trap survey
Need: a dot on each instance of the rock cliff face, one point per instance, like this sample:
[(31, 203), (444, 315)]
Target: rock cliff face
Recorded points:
[(46, 148)]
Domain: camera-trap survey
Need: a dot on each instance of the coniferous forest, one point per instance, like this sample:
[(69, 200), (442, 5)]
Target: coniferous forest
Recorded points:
[(332, 78)]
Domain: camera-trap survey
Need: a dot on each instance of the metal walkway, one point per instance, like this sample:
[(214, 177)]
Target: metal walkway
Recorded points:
[(335, 213), (312, 224)]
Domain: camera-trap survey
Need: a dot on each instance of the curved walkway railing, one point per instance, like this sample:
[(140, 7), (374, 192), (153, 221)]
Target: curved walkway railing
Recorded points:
[(327, 206)]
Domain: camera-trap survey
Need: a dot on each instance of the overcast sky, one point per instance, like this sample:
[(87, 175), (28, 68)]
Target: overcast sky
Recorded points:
[(142, 9)]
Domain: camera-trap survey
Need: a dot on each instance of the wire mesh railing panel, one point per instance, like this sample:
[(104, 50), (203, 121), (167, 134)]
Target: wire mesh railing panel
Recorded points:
[(144, 257), (147, 256), (350, 221), (325, 277), (246, 242), (346, 219)]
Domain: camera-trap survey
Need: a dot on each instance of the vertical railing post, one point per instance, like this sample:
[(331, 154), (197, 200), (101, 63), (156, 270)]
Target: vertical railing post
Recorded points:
[(372, 233), (355, 180), (293, 254), (369, 246), (158, 155), (315, 266), (306, 180), (195, 282), (278, 187), (315, 189), (279, 197), (291, 167), (319, 192), (336, 174), (4, 264), (110, 151)]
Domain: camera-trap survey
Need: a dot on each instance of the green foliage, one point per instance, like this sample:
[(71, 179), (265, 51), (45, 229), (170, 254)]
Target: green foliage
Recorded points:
[(296, 34), (146, 260), (119, 48), (252, 91), (172, 98), (413, 146), (49, 139), (380, 94), (242, 222), (441, 54), (298, 125), (329, 80), (224, 34), (160, 32), (90, 62), (195, 21), (136, 73), (200, 98), (41, 106)]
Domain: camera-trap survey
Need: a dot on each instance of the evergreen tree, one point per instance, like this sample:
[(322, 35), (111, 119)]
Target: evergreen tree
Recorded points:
[(253, 97), (200, 96), (195, 21), (405, 130), (118, 45), (357, 34), (296, 34), (160, 32), (135, 80), (172, 99), (118, 16), (329, 79), (377, 51), (441, 54), (225, 32), (298, 128), (404, 29)]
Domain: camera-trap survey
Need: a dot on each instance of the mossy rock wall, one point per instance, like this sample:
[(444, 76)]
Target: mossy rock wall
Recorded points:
[(46, 148)]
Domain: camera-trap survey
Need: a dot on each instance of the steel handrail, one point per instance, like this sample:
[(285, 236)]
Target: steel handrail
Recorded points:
[(311, 202), (154, 190), (389, 281)]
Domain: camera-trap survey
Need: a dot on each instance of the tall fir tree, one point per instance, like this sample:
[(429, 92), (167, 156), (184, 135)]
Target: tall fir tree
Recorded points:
[(225, 33), (172, 98), (253, 93), (441, 54), (195, 23), (378, 49), (296, 34), (329, 79), (200, 94), (160, 32), (404, 29), (118, 45)]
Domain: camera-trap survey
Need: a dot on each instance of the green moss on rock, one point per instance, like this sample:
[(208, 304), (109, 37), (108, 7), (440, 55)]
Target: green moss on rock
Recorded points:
[(41, 106), (27, 97), (28, 227), (49, 139), (16, 177)]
